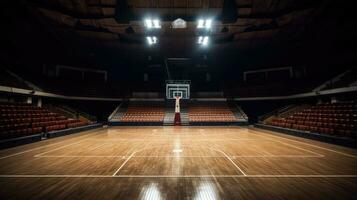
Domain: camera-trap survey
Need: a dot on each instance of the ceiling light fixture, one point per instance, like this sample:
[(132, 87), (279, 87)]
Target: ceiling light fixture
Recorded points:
[(151, 40), (203, 40), (204, 23), (152, 23)]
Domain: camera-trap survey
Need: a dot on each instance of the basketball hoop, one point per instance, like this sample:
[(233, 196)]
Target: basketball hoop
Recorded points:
[(177, 88)]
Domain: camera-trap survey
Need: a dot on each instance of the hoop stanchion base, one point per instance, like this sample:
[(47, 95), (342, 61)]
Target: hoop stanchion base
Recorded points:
[(177, 120)]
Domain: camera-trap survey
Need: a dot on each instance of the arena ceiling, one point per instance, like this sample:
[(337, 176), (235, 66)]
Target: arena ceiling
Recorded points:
[(238, 25), (121, 23)]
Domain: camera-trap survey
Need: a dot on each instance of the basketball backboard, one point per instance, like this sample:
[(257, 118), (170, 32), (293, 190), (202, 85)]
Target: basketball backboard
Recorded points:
[(177, 88)]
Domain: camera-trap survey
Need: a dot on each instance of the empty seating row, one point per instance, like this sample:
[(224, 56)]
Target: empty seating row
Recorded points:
[(145, 113), (331, 130), (318, 124), (212, 119), (28, 115), (14, 126), (144, 119), (29, 120), (55, 127), (208, 113), (19, 111), (19, 132), (57, 122), (8, 105), (76, 124), (322, 120), (342, 105), (36, 124), (321, 112)]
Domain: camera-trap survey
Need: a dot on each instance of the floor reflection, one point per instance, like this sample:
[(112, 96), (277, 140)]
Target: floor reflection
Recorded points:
[(151, 192), (206, 190)]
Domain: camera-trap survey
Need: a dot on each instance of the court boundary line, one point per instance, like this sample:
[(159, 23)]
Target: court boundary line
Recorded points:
[(232, 156), (267, 135), (274, 134), (296, 147), (124, 163), (239, 169), (40, 154), (315, 155), (114, 140), (183, 176), (291, 145), (225, 156)]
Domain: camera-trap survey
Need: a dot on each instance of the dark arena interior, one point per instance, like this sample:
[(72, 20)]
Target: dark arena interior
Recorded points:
[(178, 99)]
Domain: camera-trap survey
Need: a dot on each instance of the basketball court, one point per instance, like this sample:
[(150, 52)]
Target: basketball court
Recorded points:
[(163, 162)]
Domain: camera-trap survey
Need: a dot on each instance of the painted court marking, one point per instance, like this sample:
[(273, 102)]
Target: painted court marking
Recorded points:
[(85, 136), (122, 165), (312, 145), (230, 158), (180, 176), (239, 169), (175, 156), (169, 138), (316, 155), (42, 147), (225, 155), (291, 145), (60, 148)]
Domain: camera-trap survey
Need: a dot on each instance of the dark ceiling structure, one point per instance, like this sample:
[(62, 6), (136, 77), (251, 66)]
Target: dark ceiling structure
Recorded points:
[(105, 30)]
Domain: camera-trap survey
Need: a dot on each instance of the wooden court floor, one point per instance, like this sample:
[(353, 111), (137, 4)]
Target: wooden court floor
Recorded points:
[(178, 163)]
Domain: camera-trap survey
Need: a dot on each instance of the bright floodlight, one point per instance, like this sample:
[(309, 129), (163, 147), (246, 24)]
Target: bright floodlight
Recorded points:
[(200, 40), (156, 23), (203, 40), (150, 23), (201, 23), (151, 40), (207, 24)]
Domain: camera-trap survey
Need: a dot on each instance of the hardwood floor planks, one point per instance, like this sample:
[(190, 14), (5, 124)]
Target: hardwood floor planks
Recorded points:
[(178, 163)]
